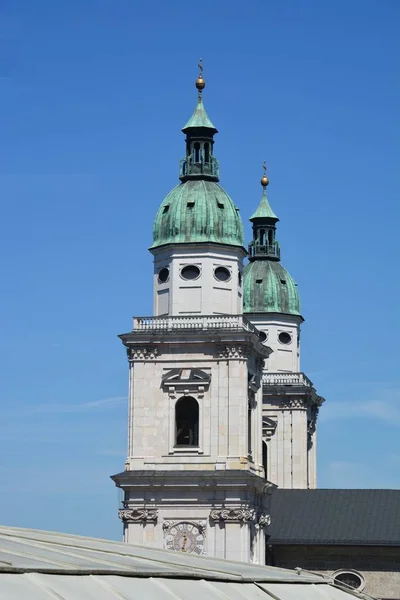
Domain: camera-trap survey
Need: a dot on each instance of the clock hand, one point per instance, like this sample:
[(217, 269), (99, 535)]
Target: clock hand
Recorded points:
[(184, 542)]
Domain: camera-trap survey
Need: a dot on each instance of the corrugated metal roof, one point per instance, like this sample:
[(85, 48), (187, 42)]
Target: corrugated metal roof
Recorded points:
[(40, 565), (341, 517)]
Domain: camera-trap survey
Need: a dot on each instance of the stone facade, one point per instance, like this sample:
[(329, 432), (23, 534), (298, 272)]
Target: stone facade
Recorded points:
[(204, 294), (378, 565), (214, 485)]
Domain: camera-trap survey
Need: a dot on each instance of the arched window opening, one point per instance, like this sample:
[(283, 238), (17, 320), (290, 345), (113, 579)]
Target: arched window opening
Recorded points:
[(262, 237), (265, 459), (270, 237), (207, 152), (187, 422), (197, 152)]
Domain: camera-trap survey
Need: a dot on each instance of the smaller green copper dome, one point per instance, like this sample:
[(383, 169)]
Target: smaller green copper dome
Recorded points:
[(198, 211), (268, 287)]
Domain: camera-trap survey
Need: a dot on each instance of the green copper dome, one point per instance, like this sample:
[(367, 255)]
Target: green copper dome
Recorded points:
[(268, 287), (198, 211)]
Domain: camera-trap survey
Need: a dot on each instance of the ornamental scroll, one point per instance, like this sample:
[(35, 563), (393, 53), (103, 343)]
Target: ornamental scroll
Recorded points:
[(138, 515)]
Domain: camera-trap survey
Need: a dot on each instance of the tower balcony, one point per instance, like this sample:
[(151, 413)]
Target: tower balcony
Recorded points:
[(290, 384), (188, 168), (193, 322), (257, 250)]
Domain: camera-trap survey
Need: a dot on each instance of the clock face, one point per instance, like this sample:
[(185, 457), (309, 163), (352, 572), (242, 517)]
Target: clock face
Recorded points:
[(185, 537)]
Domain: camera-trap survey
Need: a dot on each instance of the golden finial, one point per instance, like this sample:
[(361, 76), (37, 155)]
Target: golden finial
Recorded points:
[(200, 83), (264, 178)]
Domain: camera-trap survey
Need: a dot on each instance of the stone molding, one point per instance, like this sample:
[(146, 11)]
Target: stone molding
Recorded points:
[(294, 403), (201, 525), (233, 351), (242, 515), (138, 515), (142, 353)]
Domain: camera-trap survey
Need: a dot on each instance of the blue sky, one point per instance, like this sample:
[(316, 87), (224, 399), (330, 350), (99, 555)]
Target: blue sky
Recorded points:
[(93, 94)]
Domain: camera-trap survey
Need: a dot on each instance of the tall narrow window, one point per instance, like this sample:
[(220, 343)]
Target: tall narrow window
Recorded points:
[(197, 152), (265, 459), (187, 422), (249, 431), (262, 237), (206, 152), (270, 237)]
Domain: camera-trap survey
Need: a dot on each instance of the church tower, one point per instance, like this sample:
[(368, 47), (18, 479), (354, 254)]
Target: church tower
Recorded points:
[(194, 478), (290, 403)]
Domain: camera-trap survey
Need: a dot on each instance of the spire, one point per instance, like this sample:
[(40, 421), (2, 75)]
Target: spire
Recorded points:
[(199, 162), (264, 209), (264, 246), (199, 117)]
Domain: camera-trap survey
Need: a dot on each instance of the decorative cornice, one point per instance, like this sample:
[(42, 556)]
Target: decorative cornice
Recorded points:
[(142, 353), (186, 381), (242, 515), (138, 515), (233, 351)]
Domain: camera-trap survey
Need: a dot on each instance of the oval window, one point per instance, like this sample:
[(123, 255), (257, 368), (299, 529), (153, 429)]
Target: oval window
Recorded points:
[(163, 275), (263, 336), (222, 274), (349, 579), (285, 337), (190, 272)]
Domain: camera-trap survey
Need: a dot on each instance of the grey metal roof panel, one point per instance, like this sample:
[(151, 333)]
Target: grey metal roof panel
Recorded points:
[(335, 517), (39, 564), (33, 550)]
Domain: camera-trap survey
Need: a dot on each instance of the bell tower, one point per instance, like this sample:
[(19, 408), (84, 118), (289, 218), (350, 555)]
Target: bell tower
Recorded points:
[(290, 401), (194, 478)]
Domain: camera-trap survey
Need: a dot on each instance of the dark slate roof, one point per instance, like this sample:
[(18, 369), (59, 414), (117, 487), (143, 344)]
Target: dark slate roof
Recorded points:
[(341, 517)]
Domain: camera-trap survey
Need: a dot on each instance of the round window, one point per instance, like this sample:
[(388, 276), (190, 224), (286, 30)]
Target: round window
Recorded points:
[(350, 579), (190, 272), (263, 336), (222, 274), (285, 337), (163, 275)]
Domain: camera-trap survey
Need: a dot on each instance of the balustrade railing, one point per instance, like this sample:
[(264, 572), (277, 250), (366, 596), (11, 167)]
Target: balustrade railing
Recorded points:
[(290, 379), (189, 167), (197, 322), (256, 249)]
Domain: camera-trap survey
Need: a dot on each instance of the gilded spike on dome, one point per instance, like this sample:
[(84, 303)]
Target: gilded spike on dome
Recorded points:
[(264, 178), (200, 83)]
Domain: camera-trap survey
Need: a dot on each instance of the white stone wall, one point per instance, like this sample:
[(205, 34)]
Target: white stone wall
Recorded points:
[(217, 484), (223, 412), (287, 448), (285, 357), (204, 295)]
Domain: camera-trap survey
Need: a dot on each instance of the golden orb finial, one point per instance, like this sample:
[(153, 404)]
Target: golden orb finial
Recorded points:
[(200, 83), (264, 178)]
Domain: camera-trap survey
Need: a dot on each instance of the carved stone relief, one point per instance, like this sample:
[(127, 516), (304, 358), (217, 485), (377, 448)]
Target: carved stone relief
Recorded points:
[(234, 514), (142, 353), (138, 515), (233, 351)]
